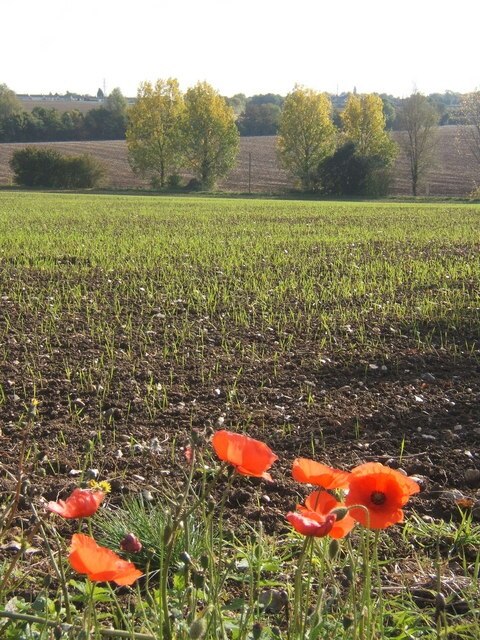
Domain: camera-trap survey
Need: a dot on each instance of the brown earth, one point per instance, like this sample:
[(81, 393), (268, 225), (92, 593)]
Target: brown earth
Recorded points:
[(406, 407), (454, 174)]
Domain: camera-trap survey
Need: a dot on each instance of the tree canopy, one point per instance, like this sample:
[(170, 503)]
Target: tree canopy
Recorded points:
[(364, 124), (306, 134), (210, 137), (155, 129)]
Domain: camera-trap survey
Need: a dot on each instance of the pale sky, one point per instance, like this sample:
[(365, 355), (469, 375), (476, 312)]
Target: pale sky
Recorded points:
[(246, 46)]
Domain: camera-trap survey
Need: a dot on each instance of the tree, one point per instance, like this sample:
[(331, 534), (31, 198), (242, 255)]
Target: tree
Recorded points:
[(9, 103), (154, 129), (306, 134), (364, 123), (237, 102), (418, 118), (259, 119), (116, 103), (210, 135), (345, 173), (267, 98), (470, 130)]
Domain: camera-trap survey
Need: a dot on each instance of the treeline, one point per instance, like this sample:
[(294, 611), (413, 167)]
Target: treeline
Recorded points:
[(107, 122), (257, 115)]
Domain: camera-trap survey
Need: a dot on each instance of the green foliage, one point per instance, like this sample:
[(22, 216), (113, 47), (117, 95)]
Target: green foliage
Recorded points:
[(210, 137), (345, 173), (35, 167), (259, 119), (146, 521), (9, 103), (237, 102), (306, 134)]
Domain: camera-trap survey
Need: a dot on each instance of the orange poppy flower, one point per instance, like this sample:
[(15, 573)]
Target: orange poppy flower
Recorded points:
[(305, 470), (100, 564), (310, 523), (324, 504), (249, 457), (82, 503), (383, 491)]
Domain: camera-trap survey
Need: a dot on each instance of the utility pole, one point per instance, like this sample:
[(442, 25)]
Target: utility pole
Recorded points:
[(249, 172)]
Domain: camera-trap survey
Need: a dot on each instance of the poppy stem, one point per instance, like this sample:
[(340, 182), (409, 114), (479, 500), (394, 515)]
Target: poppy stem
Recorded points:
[(57, 566), (298, 587), (376, 564)]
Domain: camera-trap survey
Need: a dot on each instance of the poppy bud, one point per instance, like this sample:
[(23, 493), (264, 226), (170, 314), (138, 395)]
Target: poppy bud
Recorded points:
[(204, 562), (198, 629), (347, 622), (130, 543), (340, 513), (257, 630), (348, 573), (185, 558), (198, 580), (333, 548)]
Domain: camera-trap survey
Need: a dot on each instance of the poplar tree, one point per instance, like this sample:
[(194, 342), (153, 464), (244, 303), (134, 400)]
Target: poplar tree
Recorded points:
[(306, 134), (210, 136), (154, 130)]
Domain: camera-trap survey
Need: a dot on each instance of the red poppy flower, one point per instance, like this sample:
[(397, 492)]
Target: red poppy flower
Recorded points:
[(82, 503), (310, 523), (100, 564), (249, 457), (305, 470), (383, 491), (324, 504)]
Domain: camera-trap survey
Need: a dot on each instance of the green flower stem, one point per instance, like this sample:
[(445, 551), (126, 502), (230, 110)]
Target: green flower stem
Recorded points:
[(58, 567), (298, 586)]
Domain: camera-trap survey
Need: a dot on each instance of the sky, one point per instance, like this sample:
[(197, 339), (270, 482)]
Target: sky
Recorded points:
[(246, 46)]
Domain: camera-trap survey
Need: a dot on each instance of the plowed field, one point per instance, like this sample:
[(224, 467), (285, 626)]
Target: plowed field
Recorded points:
[(454, 173)]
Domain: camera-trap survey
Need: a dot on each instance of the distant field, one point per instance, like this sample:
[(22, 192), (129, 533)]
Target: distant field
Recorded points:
[(62, 105), (454, 175)]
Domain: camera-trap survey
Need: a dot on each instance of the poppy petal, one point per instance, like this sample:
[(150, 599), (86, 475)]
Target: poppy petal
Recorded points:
[(306, 470), (100, 564), (250, 457), (82, 503), (323, 503), (309, 525), (382, 492)]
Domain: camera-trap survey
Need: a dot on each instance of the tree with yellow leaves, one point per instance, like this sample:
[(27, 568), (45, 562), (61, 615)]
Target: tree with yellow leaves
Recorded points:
[(154, 130), (363, 123), (210, 136), (306, 134)]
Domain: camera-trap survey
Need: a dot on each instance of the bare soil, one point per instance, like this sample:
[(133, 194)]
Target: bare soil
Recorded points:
[(407, 407), (454, 174)]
